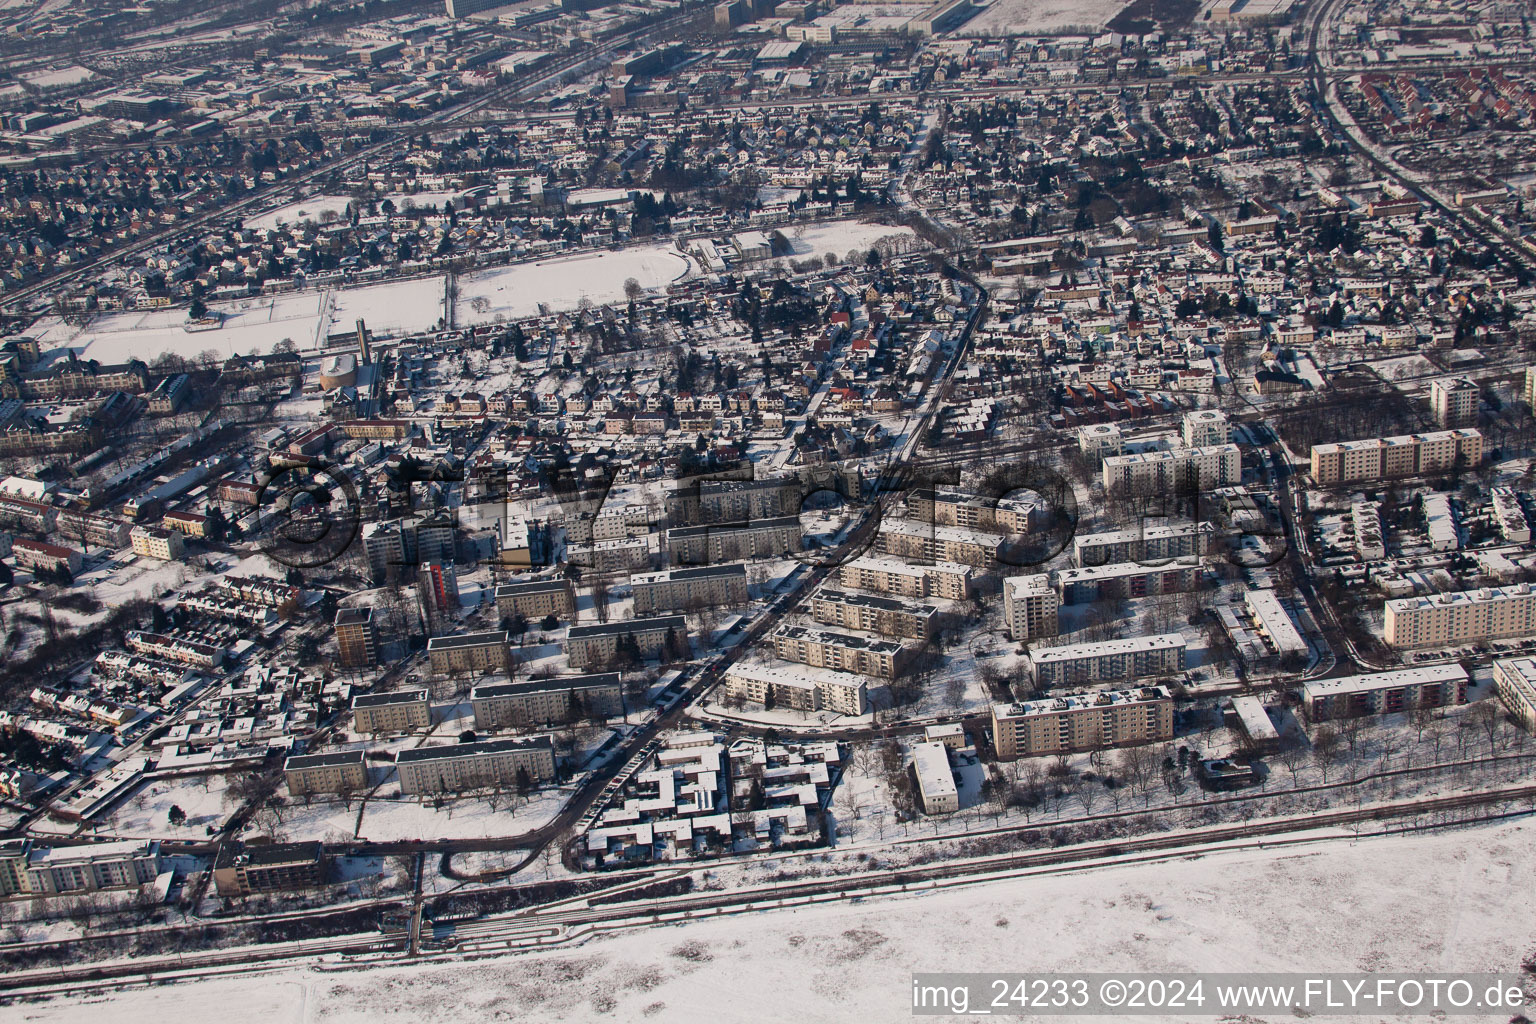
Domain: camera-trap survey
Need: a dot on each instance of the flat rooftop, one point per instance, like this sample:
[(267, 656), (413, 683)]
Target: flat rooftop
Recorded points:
[(485, 639), (1128, 645), (382, 700), (659, 624), (1419, 676), (482, 748)]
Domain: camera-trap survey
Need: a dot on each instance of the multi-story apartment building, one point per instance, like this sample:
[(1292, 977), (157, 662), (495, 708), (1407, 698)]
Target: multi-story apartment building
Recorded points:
[(846, 652), (88, 528), (1126, 580), (400, 711), (536, 703), (804, 688), (909, 538), (1083, 721), (1205, 428), (36, 554), (1100, 440), (454, 768), (1152, 543), (1173, 471), (175, 648), (883, 615), (733, 501), (241, 870), (468, 653), (956, 508), (153, 542), (949, 580), (27, 869), (734, 542), (1515, 681), (595, 646), (1030, 606), (1076, 664), (357, 643), (1380, 693), (705, 586), (1454, 401), (339, 771), (1461, 616), (536, 599), (439, 587), (1384, 458)]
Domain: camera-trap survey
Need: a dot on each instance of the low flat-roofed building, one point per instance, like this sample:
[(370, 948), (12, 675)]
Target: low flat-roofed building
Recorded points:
[(1247, 717), (801, 687), (338, 771), (535, 703), (457, 767), (1274, 623), (468, 653), (399, 711), (1082, 721), (1076, 664), (936, 787), (1379, 693)]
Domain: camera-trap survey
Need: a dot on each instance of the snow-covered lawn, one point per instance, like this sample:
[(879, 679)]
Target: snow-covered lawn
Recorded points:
[(840, 237), (562, 283), (386, 819), (147, 812), (312, 209), (399, 307), (1336, 905)]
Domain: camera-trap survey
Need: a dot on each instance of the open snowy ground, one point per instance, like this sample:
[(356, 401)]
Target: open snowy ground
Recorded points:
[(313, 209), (562, 283), (1025, 17), (1462, 900)]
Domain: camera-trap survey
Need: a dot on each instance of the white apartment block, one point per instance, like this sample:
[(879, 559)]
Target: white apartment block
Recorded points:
[(331, 772), (536, 599), (884, 615), (1083, 721), (1515, 680), (845, 652), (1461, 616), (29, 870), (150, 542), (971, 511), (1079, 664), (1100, 440), (1152, 542), (456, 767), (936, 788), (401, 711), (1030, 606), (1454, 401), (1383, 458), (705, 586), (803, 688), (1126, 580), (909, 538), (1205, 428), (543, 702), (1173, 471), (1379, 693), (949, 580)]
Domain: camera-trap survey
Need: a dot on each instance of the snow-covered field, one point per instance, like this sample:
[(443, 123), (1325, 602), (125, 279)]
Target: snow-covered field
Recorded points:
[(841, 237), (1463, 900), (1025, 17), (312, 209), (251, 326), (562, 283)]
